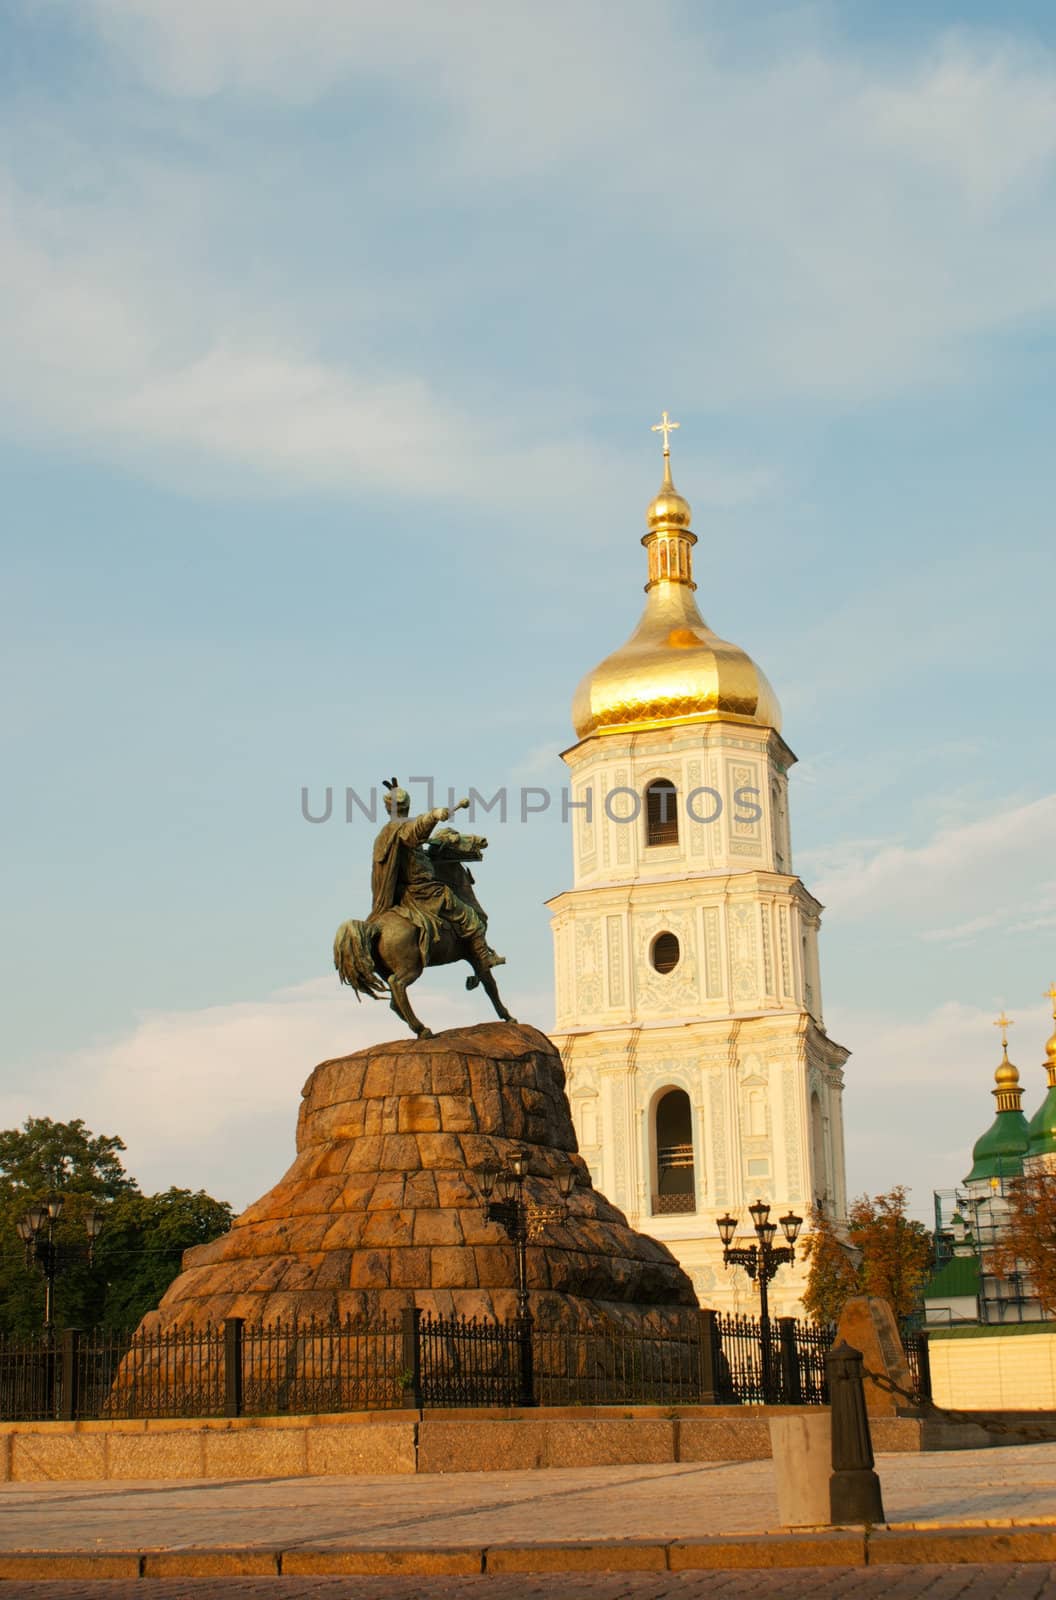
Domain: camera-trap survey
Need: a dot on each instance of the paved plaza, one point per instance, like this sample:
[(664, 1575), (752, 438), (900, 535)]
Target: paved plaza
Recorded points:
[(486, 1509), (197, 1535)]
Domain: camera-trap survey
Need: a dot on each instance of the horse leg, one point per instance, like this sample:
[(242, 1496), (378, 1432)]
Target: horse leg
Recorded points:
[(491, 989), (398, 990)]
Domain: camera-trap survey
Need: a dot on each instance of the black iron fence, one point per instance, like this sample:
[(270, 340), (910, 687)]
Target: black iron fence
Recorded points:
[(918, 1357), (301, 1368)]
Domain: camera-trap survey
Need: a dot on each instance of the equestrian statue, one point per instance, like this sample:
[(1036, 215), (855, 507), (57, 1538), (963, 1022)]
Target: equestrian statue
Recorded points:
[(425, 912)]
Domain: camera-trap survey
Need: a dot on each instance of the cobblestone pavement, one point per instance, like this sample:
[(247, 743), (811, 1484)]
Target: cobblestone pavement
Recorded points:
[(665, 1502), (806, 1583)]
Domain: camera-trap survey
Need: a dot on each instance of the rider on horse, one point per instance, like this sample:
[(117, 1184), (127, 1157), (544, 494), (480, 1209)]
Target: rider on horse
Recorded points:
[(403, 877)]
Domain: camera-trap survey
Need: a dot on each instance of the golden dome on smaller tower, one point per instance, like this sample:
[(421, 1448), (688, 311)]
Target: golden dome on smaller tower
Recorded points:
[(1007, 1074), (673, 669), (669, 509), (1008, 1094), (1050, 1042)]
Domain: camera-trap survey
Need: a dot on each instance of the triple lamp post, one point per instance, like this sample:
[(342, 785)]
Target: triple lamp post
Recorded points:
[(520, 1218), (36, 1229), (761, 1261)]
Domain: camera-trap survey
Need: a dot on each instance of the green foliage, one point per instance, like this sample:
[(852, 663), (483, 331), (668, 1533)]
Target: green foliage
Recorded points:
[(140, 1249), (44, 1156), (896, 1252), (138, 1252), (832, 1278), (881, 1252)]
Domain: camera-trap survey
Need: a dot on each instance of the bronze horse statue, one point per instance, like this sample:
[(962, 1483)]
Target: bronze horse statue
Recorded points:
[(385, 955)]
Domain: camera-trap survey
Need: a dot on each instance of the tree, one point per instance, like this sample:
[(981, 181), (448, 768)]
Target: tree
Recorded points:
[(1028, 1243), (896, 1250), (832, 1278), (138, 1251), (45, 1156), (883, 1253)]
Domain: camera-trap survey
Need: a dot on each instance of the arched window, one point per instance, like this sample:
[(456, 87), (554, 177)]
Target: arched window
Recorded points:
[(675, 1189), (661, 812)]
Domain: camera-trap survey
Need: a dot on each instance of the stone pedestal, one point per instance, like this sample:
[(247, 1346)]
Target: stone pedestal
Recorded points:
[(802, 1452), (381, 1209), (868, 1324)]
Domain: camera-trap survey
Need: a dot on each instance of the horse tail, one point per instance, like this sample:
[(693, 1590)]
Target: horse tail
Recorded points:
[(354, 959)]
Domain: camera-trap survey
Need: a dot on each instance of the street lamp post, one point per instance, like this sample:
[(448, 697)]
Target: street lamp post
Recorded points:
[(761, 1261), (36, 1229), (521, 1220)]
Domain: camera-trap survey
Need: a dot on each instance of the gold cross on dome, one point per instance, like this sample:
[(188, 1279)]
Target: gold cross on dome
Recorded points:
[(1004, 1023), (1050, 994), (666, 427)]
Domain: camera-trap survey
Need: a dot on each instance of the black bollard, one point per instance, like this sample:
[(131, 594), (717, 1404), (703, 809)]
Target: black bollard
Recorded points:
[(854, 1488)]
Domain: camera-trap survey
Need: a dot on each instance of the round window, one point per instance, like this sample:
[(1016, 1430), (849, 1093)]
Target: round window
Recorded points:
[(665, 952)]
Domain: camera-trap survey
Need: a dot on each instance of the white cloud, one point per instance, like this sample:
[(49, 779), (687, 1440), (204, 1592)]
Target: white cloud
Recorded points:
[(210, 1098), (918, 1090), (842, 226), (959, 866), (1028, 916)]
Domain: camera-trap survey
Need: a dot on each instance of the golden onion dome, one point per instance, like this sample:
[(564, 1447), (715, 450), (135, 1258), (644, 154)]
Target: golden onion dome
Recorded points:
[(673, 669), (1007, 1091), (1007, 1075)]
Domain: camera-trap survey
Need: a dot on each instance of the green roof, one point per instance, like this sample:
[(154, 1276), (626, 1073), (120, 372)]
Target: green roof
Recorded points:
[(1041, 1129), (1000, 1151), (958, 1279)]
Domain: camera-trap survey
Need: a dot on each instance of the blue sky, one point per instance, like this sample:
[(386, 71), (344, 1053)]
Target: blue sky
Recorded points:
[(332, 335)]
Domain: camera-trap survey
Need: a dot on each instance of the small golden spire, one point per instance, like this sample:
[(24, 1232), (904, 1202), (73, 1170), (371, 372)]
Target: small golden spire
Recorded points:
[(1050, 1043), (666, 427), (1008, 1094), (670, 539), (1004, 1023)]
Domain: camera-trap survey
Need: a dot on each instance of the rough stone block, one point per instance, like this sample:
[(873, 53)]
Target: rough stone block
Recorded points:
[(950, 1546), (899, 1435), (410, 1269), (371, 1448), (321, 1561), (39, 1457), (437, 1227), (452, 1268), (746, 1439), (378, 1079), (420, 1192), (868, 1324), (419, 1113), (156, 1455), (370, 1270), (457, 1114), (392, 1229), (608, 1443), (256, 1453), (481, 1446), (54, 1565), (390, 1193), (837, 1549), (610, 1556), (211, 1564), (438, 1150)]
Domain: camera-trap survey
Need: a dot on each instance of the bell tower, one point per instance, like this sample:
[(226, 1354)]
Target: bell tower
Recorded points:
[(688, 992)]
